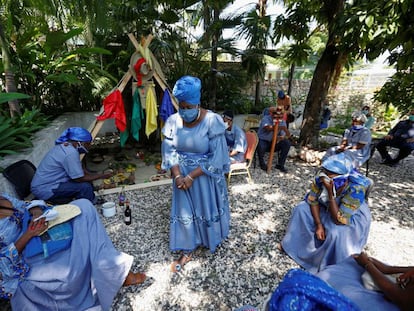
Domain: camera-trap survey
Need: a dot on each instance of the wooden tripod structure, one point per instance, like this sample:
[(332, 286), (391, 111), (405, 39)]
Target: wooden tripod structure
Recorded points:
[(158, 76)]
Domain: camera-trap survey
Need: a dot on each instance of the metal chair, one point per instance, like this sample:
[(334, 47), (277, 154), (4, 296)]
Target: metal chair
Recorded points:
[(20, 175), (244, 168)]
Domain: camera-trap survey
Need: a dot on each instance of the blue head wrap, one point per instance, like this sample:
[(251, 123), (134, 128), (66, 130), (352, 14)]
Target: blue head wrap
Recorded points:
[(339, 164), (188, 89), (281, 94), (300, 290), (75, 134)]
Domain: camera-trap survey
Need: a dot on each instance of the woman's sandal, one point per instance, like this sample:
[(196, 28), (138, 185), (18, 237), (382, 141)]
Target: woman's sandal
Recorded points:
[(177, 265), (134, 279)]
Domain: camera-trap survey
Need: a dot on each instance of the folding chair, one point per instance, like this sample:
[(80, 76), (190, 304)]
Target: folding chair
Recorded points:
[(244, 168), (20, 175)]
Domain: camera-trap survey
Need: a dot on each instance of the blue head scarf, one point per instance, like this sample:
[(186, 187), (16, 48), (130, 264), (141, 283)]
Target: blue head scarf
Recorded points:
[(188, 89), (339, 164), (75, 134), (281, 94), (300, 290)]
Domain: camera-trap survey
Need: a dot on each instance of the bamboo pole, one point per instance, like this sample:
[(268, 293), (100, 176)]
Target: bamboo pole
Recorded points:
[(272, 148)]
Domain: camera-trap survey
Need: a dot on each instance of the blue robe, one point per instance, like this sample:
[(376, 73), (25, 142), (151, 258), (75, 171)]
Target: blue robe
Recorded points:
[(341, 241), (345, 277), (86, 276), (200, 215)]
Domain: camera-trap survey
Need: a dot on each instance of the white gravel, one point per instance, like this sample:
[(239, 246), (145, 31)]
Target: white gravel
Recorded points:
[(247, 267)]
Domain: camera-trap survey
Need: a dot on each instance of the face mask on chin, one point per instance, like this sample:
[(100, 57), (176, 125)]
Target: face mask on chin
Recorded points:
[(188, 115), (357, 127)]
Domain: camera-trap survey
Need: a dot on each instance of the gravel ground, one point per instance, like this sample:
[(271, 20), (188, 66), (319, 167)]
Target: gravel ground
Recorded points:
[(247, 267)]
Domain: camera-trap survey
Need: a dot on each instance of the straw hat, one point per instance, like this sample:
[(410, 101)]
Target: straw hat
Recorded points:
[(145, 72)]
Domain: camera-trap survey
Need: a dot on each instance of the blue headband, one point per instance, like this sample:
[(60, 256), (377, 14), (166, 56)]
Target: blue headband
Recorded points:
[(75, 134), (339, 164), (188, 89)]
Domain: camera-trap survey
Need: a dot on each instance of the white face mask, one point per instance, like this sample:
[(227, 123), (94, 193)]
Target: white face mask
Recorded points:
[(227, 125)]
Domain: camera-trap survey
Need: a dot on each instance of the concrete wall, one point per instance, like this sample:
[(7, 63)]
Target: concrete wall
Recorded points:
[(44, 140)]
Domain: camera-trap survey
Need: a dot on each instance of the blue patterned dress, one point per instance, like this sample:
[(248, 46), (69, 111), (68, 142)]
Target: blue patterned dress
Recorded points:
[(200, 215), (342, 240), (88, 275)]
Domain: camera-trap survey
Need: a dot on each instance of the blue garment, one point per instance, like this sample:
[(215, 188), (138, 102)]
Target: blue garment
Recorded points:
[(166, 108), (353, 137), (345, 277), (200, 215), (370, 122), (56, 171), (300, 290), (236, 140), (342, 240), (63, 281)]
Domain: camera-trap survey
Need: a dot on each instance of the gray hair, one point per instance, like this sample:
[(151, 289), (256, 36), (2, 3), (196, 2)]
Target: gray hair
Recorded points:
[(359, 116)]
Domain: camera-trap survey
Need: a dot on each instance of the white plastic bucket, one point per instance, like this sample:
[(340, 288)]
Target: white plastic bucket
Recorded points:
[(108, 209)]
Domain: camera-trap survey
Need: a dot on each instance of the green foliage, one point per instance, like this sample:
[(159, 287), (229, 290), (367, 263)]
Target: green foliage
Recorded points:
[(16, 133), (6, 97), (398, 91)]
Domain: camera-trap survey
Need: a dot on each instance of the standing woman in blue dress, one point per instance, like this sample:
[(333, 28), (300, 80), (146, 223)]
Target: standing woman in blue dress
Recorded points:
[(195, 150)]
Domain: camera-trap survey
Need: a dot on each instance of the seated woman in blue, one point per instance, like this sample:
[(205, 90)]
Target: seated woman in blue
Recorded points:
[(85, 276), (356, 142), (333, 220)]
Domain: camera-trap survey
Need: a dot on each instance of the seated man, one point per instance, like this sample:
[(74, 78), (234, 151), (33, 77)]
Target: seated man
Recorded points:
[(355, 142), (265, 134), (60, 176), (400, 136), (235, 138)]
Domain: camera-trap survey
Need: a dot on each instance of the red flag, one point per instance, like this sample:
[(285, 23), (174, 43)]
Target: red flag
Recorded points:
[(114, 109)]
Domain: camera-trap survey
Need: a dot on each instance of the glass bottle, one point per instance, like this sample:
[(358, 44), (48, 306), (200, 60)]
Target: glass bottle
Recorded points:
[(121, 198), (127, 213)]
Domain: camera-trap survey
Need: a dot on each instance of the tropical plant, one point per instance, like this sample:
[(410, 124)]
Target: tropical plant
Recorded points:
[(16, 133)]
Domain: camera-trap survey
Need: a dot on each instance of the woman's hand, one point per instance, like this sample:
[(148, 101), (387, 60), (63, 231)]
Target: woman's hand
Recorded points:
[(320, 232), (406, 278), (37, 227), (36, 211), (362, 259), (184, 183)]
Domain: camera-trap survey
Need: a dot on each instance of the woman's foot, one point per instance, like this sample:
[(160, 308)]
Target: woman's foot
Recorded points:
[(134, 279), (280, 247), (177, 265)]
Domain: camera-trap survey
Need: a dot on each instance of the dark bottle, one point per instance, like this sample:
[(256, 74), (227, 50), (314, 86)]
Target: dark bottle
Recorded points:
[(127, 213)]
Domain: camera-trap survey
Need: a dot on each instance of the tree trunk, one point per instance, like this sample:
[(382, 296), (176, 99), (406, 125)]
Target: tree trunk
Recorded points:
[(290, 79), (214, 44), (14, 106), (257, 94), (319, 88)]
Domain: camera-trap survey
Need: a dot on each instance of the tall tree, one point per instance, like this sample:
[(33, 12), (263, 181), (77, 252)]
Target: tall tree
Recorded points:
[(355, 29)]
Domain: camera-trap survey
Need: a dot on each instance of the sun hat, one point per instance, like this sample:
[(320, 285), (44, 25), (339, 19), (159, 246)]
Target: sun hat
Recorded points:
[(140, 70), (359, 116)]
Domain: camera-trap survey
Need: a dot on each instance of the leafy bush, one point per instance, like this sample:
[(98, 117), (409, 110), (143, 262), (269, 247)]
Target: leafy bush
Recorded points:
[(16, 133)]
